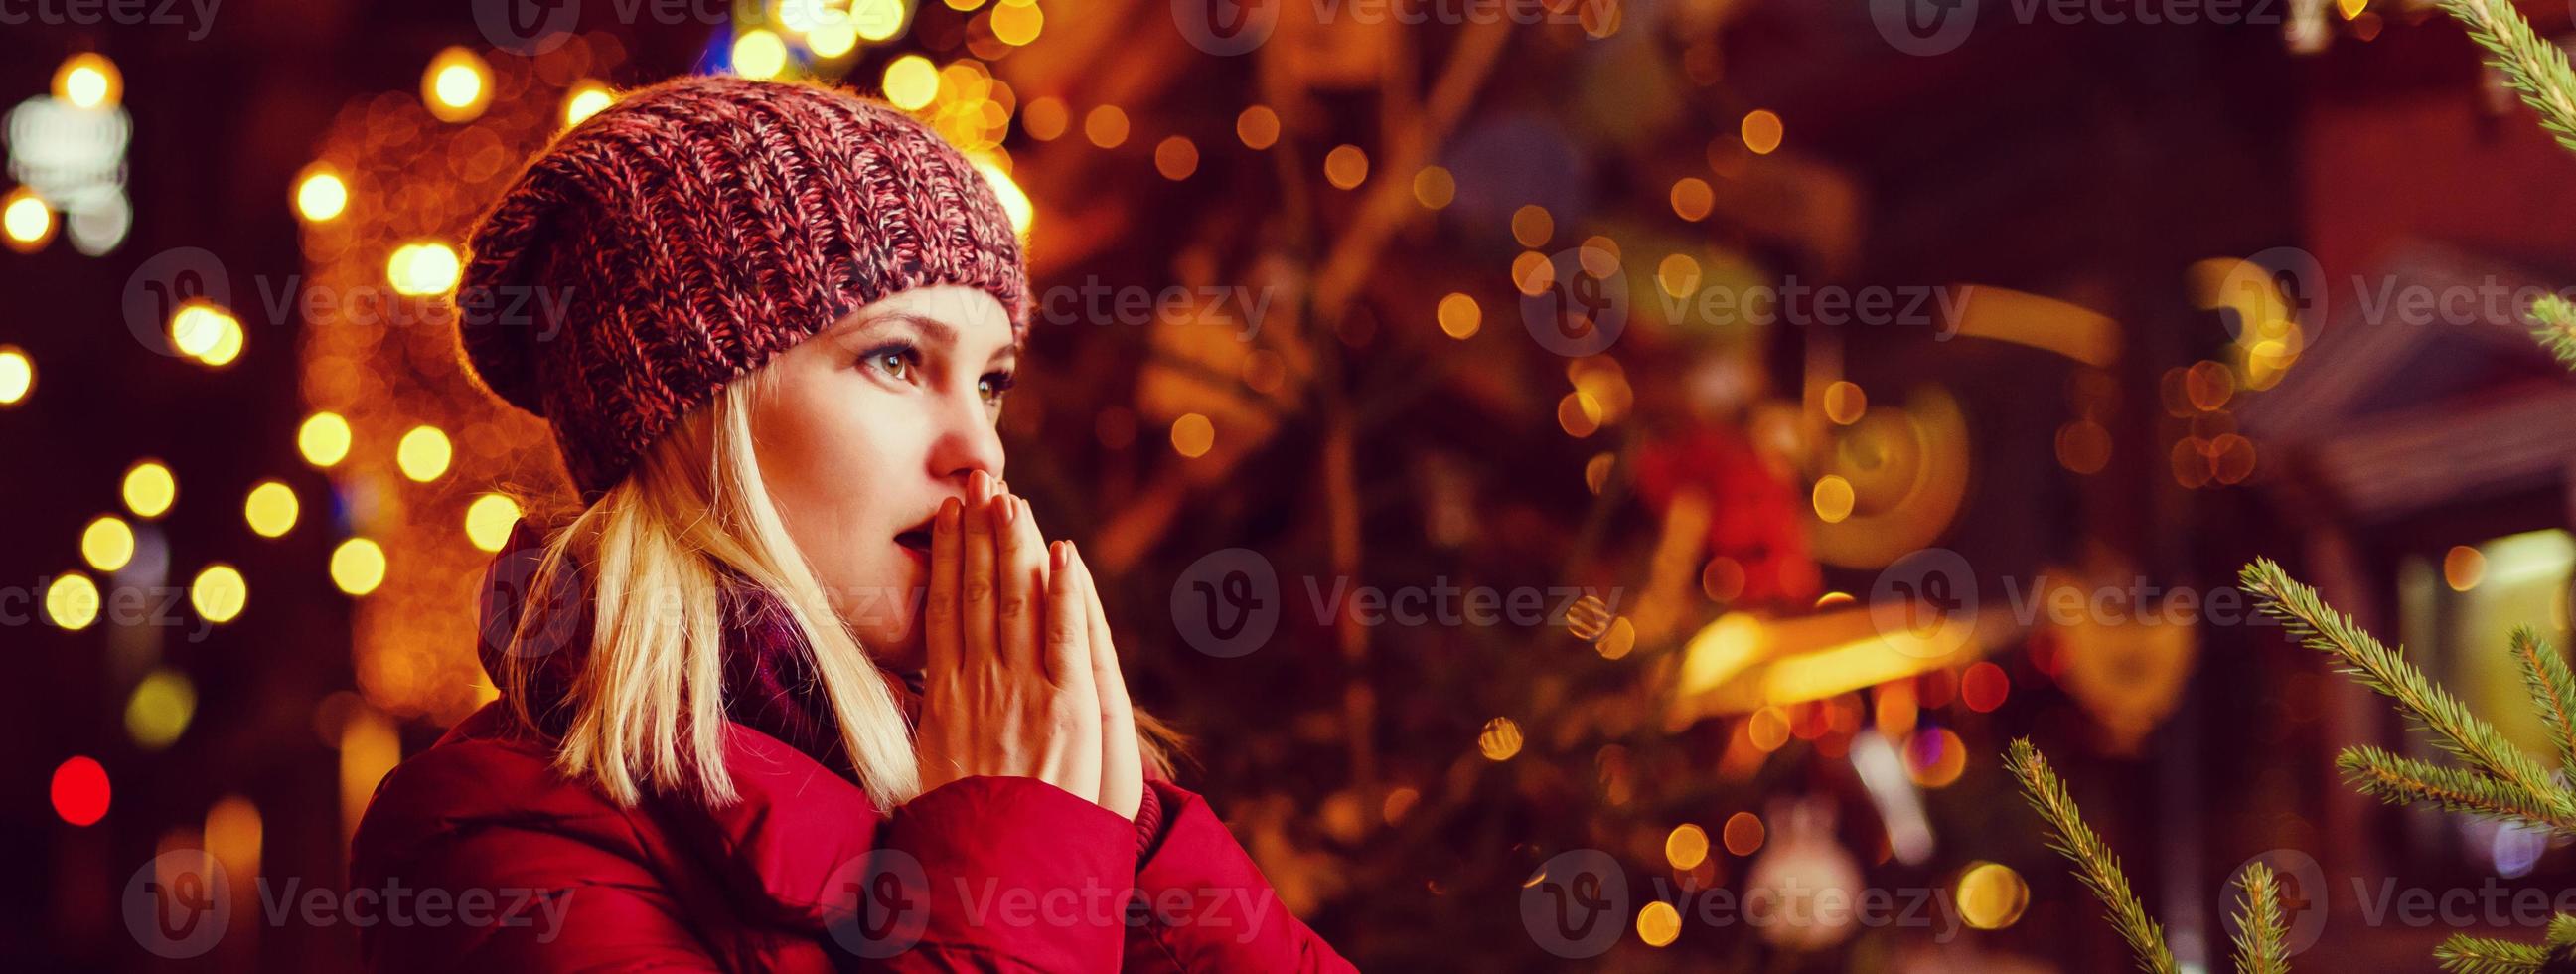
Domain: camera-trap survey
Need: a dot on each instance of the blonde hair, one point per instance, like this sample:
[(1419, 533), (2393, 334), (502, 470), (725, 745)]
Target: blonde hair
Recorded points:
[(648, 708)]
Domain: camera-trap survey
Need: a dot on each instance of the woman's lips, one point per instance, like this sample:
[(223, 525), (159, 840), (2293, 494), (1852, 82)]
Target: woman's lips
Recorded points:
[(916, 542)]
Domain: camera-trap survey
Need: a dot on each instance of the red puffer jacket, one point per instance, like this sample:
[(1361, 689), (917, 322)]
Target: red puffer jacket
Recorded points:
[(505, 865)]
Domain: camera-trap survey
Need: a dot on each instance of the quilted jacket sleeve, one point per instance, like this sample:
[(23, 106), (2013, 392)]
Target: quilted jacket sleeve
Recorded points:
[(1204, 905)]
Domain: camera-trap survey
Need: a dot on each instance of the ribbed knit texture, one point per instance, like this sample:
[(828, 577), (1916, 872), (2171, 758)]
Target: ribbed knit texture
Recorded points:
[(694, 229)]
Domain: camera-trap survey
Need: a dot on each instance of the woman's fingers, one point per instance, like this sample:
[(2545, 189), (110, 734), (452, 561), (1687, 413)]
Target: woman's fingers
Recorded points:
[(1023, 586), (975, 581), (940, 638), (1071, 696), (1122, 765)]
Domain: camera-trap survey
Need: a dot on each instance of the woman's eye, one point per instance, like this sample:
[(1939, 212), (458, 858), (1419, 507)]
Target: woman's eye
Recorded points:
[(896, 361), (996, 385)]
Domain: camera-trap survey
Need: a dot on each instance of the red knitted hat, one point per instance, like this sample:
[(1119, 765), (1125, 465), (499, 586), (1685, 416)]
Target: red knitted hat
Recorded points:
[(682, 236)]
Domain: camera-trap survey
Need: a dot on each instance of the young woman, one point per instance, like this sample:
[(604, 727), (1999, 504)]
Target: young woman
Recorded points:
[(801, 685)]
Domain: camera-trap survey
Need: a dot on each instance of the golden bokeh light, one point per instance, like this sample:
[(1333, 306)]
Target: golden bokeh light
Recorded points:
[(1500, 740), (1845, 402), (107, 543), (89, 81), (1533, 273), (1434, 187), (1578, 414), (1992, 896), (1045, 119), (1622, 636), (1692, 198), (1659, 924), (1175, 157), (423, 453), (1017, 24), (2463, 567), (759, 54), (1832, 498), (159, 710), (1346, 166), (457, 86), (911, 81), (1532, 225), (219, 593), (358, 566), (321, 195), (71, 602), (1257, 126), (423, 268), (1678, 275), (1935, 757), (149, 489), (323, 439), (1459, 316), (1768, 728), (1015, 202), (271, 509), (585, 99), (26, 219), (1762, 131), (1743, 833), (1686, 847), (875, 21), (1193, 435), (488, 521), (1105, 126), (17, 375), (206, 332)]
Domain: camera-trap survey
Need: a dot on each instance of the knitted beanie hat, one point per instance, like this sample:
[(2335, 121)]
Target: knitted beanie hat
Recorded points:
[(682, 236)]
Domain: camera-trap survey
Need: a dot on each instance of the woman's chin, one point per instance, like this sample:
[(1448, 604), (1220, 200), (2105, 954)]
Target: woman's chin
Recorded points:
[(902, 652)]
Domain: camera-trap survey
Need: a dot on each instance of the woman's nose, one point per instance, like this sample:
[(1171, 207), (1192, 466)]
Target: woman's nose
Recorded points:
[(967, 441)]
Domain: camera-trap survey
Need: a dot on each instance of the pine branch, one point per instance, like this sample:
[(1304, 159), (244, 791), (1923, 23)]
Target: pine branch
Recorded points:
[(2531, 64), (2260, 947), (2553, 691), (2453, 727), (2557, 329), (2464, 954), (2094, 862), (2403, 781), (2562, 931)]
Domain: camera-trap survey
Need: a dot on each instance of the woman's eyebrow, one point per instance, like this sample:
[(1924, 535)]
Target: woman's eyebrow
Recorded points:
[(933, 330)]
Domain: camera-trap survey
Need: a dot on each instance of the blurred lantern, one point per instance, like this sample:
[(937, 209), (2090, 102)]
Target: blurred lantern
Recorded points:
[(2127, 669), (1804, 867)]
